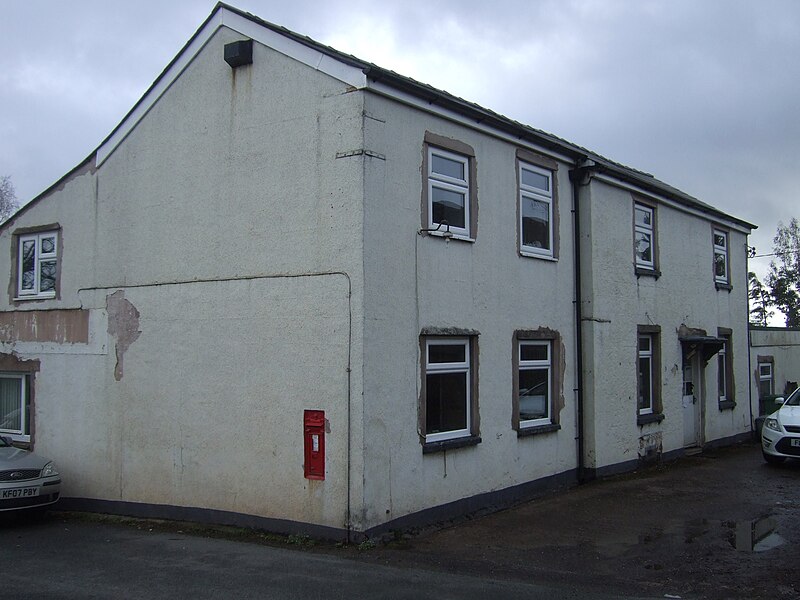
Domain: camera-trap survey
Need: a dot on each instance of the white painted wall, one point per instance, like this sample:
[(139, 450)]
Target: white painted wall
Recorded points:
[(616, 301), (230, 225), (413, 282)]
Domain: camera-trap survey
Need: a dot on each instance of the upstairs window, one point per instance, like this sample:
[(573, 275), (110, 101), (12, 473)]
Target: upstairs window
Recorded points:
[(644, 236), (37, 265), (448, 191), (535, 210), (721, 257)]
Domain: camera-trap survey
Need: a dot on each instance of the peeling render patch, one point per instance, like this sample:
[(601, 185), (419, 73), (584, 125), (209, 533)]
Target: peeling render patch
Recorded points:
[(69, 326), (12, 362), (651, 447), (123, 324)]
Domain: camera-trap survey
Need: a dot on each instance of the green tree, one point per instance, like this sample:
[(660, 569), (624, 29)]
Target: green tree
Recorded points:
[(784, 272), (8, 199), (760, 301)]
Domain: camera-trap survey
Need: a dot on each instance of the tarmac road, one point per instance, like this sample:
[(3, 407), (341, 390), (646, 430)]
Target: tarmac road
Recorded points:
[(683, 530)]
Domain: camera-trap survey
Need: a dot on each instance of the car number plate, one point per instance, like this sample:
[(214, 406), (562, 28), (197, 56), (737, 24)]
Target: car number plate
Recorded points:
[(19, 493), (796, 443)]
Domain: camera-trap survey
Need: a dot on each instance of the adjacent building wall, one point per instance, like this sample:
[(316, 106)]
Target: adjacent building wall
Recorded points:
[(780, 348)]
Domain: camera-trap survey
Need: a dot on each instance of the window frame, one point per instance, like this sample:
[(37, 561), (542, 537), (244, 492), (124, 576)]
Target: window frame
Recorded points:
[(35, 234), (724, 252), (24, 433), (442, 440), (528, 192), (555, 372), (642, 266), (769, 378), (452, 150), (725, 374), (654, 411)]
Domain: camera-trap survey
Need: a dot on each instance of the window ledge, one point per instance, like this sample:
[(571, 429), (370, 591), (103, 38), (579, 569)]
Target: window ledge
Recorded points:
[(454, 236), (538, 429), (723, 286), (727, 405), (441, 446), (646, 272), (529, 254), (28, 298), (649, 418)]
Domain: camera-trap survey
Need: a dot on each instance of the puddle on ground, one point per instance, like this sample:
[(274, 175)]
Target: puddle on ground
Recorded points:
[(757, 536)]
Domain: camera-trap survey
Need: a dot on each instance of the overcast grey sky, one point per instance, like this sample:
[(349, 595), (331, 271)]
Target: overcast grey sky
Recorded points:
[(703, 94)]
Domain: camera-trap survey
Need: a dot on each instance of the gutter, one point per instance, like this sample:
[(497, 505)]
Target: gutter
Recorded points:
[(580, 177)]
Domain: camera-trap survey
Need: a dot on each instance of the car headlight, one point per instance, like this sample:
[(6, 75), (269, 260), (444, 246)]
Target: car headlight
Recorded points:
[(772, 424), (49, 470)]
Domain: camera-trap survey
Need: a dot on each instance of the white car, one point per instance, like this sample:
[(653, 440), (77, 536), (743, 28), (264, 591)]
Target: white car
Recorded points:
[(780, 436), (27, 480)]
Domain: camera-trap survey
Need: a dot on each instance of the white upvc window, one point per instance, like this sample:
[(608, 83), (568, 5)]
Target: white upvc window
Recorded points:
[(37, 265), (765, 382), (720, 256), (645, 392), (644, 239), (535, 210), (535, 383), (14, 419), (448, 382), (722, 373), (448, 192)]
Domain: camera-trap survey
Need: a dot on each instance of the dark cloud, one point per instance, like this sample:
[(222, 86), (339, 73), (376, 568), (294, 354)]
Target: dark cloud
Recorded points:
[(701, 94)]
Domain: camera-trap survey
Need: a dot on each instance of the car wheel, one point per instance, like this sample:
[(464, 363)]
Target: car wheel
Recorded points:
[(773, 460)]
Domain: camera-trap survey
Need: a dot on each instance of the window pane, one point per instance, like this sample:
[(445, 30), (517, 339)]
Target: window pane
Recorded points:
[(533, 394), (644, 344), (10, 405), (644, 251), (645, 393), (447, 353), (445, 402), (719, 240), (765, 370), (537, 180), (720, 265), (721, 374), (644, 217), (533, 352), (448, 206), (48, 245), (47, 281), (535, 223), (28, 264), (447, 166)]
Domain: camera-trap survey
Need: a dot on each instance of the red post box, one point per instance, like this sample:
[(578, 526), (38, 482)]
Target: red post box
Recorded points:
[(314, 444)]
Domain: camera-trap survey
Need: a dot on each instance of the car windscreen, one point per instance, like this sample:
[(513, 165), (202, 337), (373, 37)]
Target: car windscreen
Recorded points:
[(794, 399)]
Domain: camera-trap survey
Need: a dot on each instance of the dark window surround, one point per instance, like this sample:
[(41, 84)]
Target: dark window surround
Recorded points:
[(557, 368), (474, 437), (658, 409), (13, 297), (457, 147), (730, 382), (547, 163)]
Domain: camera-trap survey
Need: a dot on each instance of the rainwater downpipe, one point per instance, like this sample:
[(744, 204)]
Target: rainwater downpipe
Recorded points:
[(580, 177)]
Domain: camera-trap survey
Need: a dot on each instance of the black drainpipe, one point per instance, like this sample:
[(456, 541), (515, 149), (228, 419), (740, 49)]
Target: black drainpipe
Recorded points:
[(580, 177)]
